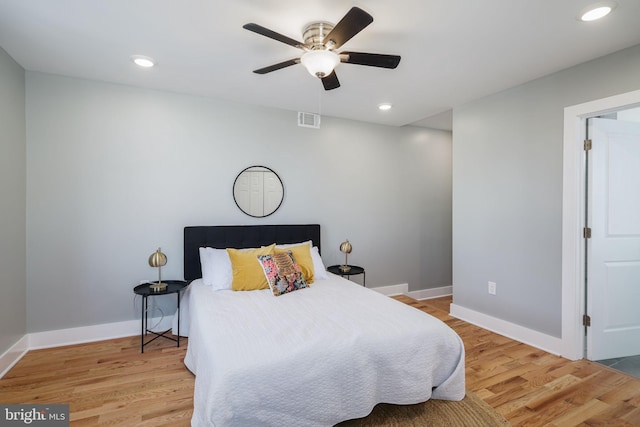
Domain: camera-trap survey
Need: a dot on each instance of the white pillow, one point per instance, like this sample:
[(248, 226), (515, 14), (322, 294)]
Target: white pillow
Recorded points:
[(319, 270), (290, 245), (216, 268)]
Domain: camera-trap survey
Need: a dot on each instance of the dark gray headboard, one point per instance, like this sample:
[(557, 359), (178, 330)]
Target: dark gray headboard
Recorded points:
[(240, 236)]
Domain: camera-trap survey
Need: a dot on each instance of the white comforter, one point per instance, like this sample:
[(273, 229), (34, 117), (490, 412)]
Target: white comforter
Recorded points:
[(313, 357)]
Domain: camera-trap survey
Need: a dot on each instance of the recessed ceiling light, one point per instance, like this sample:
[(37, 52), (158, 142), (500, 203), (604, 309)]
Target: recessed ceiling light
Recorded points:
[(384, 107), (143, 61), (597, 11)]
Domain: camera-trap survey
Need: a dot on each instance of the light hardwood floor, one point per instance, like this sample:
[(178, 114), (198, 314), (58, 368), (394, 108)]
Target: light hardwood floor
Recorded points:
[(111, 383)]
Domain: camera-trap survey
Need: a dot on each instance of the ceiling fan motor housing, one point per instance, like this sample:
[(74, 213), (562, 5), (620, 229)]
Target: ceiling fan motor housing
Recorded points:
[(315, 33)]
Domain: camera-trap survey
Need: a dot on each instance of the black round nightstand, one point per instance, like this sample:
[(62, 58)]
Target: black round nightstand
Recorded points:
[(173, 287), (354, 270)]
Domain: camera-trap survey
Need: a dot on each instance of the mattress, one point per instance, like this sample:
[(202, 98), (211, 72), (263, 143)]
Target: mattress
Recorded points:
[(313, 357)]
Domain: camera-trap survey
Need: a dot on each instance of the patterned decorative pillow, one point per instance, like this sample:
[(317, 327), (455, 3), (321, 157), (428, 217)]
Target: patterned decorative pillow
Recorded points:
[(282, 272), (302, 254)]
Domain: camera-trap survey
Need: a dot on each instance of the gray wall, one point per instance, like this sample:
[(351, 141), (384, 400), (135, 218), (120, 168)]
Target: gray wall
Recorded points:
[(13, 307), (115, 171), (507, 190)]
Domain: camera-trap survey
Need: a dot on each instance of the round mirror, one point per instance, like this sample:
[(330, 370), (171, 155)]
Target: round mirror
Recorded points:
[(258, 191)]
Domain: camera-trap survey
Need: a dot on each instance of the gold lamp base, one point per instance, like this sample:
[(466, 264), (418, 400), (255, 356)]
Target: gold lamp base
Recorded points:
[(158, 287), (345, 268)]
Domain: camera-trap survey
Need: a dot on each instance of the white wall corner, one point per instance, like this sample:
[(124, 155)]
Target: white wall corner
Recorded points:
[(423, 294), (528, 336), (10, 357), (391, 290)]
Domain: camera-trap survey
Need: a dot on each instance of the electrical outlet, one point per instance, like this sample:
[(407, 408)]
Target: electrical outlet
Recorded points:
[(492, 288)]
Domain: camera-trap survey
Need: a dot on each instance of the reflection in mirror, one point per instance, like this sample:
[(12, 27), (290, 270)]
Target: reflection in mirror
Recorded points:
[(258, 191)]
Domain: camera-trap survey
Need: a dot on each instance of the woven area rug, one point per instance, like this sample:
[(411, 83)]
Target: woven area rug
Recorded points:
[(469, 412)]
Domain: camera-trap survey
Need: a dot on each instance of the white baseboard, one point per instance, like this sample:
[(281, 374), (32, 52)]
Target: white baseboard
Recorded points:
[(83, 334), (80, 335), (13, 355), (528, 336), (431, 293), (403, 289), (391, 290)]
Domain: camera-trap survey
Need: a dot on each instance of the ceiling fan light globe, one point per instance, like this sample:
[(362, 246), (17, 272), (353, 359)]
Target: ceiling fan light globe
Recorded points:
[(320, 63)]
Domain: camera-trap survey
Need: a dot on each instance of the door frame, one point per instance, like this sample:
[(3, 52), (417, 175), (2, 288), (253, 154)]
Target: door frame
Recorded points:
[(573, 210)]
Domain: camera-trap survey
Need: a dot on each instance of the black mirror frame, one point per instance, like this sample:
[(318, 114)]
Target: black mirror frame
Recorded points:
[(233, 190)]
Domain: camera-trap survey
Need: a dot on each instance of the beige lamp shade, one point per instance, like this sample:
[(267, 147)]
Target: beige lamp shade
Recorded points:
[(346, 248), (158, 259)]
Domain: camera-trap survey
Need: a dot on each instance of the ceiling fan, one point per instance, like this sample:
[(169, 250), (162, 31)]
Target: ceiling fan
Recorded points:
[(320, 41)]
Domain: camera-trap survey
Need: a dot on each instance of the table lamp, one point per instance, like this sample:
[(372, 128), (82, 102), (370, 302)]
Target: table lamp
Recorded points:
[(158, 259), (346, 248)]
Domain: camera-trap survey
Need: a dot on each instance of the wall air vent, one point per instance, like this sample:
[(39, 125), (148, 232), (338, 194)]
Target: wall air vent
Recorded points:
[(309, 120)]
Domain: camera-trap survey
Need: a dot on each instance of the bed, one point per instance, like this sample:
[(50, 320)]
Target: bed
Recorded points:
[(320, 355)]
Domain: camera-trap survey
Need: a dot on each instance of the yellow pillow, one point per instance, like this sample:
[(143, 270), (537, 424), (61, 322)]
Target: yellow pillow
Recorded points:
[(246, 269), (302, 255)]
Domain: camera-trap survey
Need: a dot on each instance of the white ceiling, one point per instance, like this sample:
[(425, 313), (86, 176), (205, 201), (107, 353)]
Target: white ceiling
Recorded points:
[(453, 51)]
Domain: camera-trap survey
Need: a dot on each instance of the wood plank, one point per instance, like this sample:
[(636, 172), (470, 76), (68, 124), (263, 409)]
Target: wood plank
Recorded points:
[(112, 383)]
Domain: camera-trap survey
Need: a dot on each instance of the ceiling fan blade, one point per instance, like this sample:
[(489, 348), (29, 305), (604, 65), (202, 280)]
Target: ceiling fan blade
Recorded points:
[(331, 81), (370, 59), (273, 35), (351, 24), (278, 66)]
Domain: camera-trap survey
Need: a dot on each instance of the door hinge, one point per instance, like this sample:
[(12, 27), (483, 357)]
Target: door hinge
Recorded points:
[(587, 144), (586, 320), (586, 232)]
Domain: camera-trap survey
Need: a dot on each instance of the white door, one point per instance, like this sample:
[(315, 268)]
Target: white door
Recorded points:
[(256, 190), (242, 193), (272, 192), (613, 265), (248, 192)]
